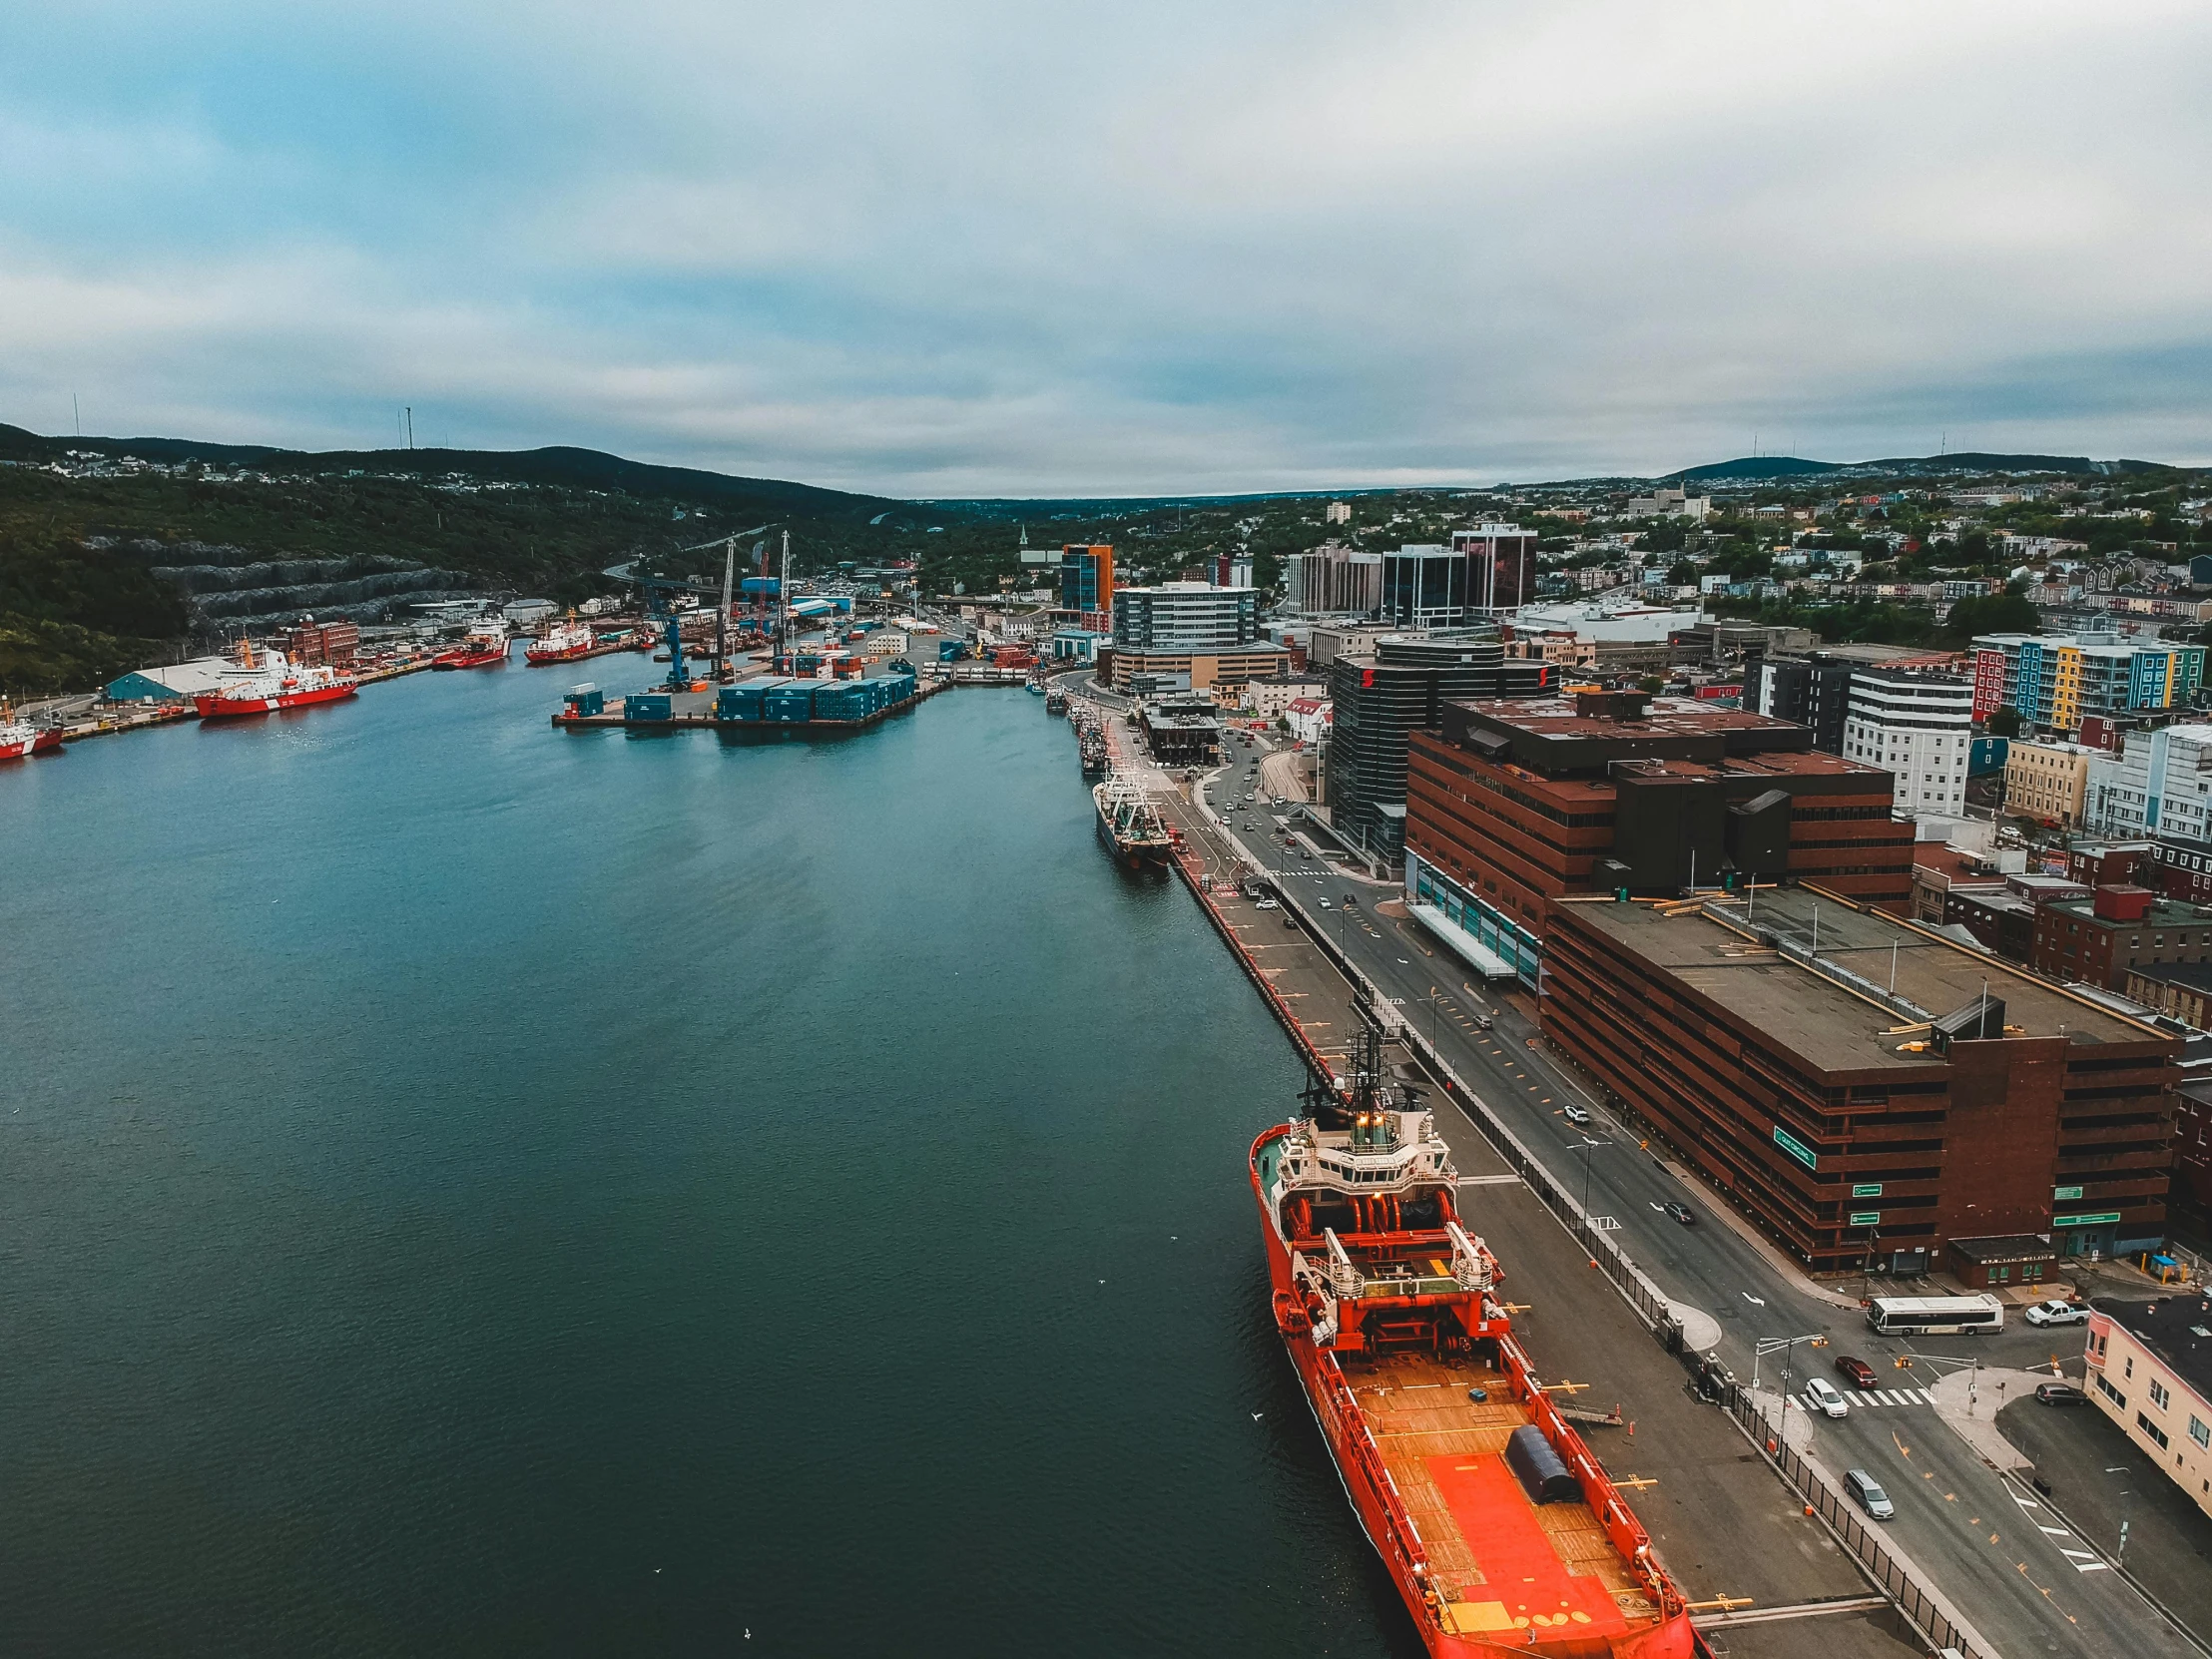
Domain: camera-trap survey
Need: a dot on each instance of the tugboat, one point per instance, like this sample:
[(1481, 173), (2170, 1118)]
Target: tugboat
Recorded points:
[(264, 686), (20, 740), (1129, 822), (1500, 1529), (485, 645)]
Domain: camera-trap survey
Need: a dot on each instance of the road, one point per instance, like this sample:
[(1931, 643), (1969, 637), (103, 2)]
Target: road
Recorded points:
[(1958, 1518)]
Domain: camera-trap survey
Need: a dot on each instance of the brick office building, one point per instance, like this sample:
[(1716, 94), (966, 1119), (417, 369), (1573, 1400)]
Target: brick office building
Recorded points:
[(2100, 939), (1514, 805), (1859, 1122)]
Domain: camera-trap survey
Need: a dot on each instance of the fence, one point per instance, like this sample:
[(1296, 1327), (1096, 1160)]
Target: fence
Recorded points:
[(1912, 1597), (1897, 1581)]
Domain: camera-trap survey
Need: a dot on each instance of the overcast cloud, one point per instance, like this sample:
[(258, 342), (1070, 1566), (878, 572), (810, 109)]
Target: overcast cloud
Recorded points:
[(978, 248)]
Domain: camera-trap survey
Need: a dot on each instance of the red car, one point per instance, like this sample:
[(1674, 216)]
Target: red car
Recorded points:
[(1860, 1374)]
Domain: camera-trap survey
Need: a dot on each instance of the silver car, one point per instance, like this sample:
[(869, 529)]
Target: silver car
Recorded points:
[(1868, 1493)]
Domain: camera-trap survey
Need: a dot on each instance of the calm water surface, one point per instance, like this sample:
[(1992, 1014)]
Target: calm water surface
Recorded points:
[(466, 1188)]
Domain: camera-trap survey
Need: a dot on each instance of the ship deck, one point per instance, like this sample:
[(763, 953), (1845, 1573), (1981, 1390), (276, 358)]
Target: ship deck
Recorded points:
[(1501, 1564)]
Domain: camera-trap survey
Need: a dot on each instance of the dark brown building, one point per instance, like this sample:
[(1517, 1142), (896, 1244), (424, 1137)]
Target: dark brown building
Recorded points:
[(1515, 804), (1854, 1121), (2098, 940)]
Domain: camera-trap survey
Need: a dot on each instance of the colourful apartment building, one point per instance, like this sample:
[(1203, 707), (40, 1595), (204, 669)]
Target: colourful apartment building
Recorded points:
[(2058, 679)]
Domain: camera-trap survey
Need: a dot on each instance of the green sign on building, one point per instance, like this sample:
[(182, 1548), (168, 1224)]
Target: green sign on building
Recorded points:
[(1872, 1189), (2067, 1192), (1866, 1218), (1796, 1148), (2101, 1218)]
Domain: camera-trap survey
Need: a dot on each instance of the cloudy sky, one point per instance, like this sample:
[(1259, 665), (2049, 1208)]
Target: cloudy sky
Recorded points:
[(979, 247)]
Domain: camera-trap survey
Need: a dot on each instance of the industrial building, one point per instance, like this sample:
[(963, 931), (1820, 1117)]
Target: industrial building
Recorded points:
[(1513, 804), (173, 683), (1867, 1091), (1378, 702)]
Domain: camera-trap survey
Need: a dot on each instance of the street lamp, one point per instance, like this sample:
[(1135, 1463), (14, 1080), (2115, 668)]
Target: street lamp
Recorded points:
[(2127, 1509), (1343, 948), (1588, 1146)]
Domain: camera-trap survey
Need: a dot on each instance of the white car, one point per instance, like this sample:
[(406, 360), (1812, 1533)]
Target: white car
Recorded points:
[(1266, 904), (1826, 1397), (2058, 1313)]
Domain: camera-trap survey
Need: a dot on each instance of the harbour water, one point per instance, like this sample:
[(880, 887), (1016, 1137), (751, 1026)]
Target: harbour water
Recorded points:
[(473, 1188)]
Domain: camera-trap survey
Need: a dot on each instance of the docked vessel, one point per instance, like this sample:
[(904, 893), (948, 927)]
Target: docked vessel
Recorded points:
[(564, 642), (1090, 745), (1055, 702), (1500, 1529), (484, 645), (20, 740), (1130, 823), (266, 683)]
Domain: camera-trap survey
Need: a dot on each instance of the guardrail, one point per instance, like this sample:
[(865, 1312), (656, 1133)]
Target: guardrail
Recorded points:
[(1898, 1581)]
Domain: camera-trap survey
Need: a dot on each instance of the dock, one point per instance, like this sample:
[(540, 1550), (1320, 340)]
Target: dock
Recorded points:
[(701, 711)]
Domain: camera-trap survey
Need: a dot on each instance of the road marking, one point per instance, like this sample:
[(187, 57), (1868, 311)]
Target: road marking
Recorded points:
[(1755, 1301)]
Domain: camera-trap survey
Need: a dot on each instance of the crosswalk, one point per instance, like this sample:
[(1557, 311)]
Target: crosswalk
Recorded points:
[(1870, 1397)]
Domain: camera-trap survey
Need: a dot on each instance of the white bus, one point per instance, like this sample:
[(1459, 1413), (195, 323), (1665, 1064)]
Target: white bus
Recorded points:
[(1936, 1314)]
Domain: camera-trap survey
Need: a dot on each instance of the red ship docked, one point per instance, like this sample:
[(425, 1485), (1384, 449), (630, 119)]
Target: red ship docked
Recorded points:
[(262, 687), (20, 740), (564, 642), (1500, 1529), (485, 646)]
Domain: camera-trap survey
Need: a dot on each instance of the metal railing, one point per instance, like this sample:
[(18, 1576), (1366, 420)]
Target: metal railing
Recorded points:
[(1897, 1581)]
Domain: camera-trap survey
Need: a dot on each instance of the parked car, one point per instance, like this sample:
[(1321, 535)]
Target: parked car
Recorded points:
[(1860, 1374), (1266, 905), (1574, 1114), (1867, 1490), (1680, 1212), (2061, 1393), (1822, 1395), (1482, 1022), (2058, 1313)]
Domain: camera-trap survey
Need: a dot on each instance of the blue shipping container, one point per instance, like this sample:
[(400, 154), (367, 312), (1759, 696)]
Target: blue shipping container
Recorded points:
[(646, 706)]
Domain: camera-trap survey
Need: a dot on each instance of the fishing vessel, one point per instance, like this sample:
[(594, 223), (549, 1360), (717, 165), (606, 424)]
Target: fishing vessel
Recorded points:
[(564, 642), (486, 643), (1503, 1532), (20, 740), (1055, 702), (1090, 744), (1130, 823), (268, 682)]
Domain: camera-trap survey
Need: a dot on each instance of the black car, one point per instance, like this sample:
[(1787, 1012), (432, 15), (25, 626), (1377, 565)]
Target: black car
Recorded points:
[(2061, 1393), (1680, 1212)]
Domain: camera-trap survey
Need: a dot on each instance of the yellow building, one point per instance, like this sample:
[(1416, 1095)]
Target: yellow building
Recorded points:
[(2150, 1371), (2048, 781), (2065, 701)]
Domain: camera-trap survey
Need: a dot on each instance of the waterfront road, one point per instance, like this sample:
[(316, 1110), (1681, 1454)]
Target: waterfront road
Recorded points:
[(1957, 1517)]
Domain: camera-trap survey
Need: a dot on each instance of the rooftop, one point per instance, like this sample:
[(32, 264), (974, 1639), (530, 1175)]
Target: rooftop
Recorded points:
[(2162, 912), (2177, 1330), (1831, 1025)]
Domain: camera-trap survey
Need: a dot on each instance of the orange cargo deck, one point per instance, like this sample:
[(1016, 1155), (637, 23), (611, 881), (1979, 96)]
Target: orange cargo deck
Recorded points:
[(1503, 1565)]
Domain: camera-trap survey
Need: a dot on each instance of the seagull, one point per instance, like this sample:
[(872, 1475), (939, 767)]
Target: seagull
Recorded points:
[(1257, 1416)]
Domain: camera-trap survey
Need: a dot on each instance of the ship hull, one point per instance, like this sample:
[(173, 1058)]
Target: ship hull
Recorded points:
[(217, 706), (569, 654), (40, 743), (1135, 856), (487, 657)]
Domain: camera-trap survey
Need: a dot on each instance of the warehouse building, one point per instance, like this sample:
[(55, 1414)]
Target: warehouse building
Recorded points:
[(173, 683), (1865, 1090)]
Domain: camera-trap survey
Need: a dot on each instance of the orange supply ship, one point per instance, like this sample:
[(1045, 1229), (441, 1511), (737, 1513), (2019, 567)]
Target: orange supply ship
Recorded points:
[(265, 686), (564, 642), (486, 643), (1500, 1529)]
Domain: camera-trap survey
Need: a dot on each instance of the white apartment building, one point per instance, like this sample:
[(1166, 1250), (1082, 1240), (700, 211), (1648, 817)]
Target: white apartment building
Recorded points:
[(1920, 726), (2160, 783)]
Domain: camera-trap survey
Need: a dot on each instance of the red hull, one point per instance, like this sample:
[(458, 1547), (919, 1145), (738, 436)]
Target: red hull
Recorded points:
[(571, 654), (218, 706), (485, 657), (45, 743), (1383, 1515)]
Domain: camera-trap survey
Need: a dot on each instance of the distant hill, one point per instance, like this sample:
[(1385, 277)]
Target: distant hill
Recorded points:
[(1903, 466), (560, 466)]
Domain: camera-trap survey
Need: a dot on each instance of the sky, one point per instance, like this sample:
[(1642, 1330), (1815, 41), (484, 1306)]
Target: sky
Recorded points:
[(981, 247)]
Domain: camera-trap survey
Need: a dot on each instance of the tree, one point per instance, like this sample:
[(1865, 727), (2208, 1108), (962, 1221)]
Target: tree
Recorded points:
[(1997, 613), (1684, 573), (2006, 722)]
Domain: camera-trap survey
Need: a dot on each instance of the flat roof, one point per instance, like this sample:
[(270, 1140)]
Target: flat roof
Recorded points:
[(2177, 1330), (2161, 912), (1682, 717), (1830, 1027)]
